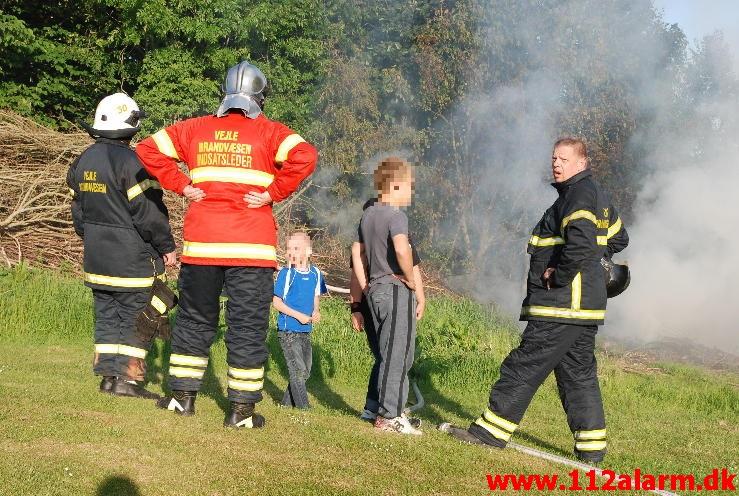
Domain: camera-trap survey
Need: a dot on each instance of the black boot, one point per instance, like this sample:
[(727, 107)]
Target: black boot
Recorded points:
[(242, 416), (106, 385), (461, 434), (122, 387), (590, 456), (180, 402)]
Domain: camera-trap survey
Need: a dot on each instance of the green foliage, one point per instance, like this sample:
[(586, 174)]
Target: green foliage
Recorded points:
[(451, 85), (60, 58)]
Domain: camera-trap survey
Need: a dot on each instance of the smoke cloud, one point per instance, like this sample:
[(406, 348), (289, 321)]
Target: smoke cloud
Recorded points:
[(683, 227)]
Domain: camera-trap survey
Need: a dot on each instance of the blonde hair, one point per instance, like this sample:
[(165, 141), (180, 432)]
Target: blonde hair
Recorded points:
[(577, 143)]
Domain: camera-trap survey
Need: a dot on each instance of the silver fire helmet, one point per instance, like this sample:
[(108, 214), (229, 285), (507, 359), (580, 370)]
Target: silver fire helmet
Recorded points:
[(245, 88)]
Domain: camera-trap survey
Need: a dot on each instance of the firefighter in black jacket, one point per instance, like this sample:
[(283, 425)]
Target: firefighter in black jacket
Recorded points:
[(564, 305), (118, 211)]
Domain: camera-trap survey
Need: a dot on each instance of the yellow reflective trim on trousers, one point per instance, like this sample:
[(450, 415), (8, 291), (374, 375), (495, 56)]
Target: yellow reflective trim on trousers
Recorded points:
[(124, 349), (121, 282), (579, 214), (590, 446), (231, 175), (135, 191), (554, 240), (287, 144), (160, 306), (107, 349), (245, 385), (249, 374), (186, 373), (120, 349), (615, 228), (565, 313), (188, 360), (164, 144), (577, 291), (587, 435), (489, 416), (498, 433), (229, 250), (602, 241)]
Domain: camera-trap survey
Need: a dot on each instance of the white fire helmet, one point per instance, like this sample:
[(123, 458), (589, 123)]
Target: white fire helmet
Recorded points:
[(117, 116)]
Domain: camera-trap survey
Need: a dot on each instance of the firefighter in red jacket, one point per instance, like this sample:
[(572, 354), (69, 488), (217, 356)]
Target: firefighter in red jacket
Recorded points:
[(239, 162)]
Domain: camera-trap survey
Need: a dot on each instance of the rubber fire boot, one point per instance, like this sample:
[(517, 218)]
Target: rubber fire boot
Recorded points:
[(106, 385), (122, 387), (180, 402), (242, 416), (590, 456)]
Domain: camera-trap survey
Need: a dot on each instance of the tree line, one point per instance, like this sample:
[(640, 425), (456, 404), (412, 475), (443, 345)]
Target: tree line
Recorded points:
[(459, 86)]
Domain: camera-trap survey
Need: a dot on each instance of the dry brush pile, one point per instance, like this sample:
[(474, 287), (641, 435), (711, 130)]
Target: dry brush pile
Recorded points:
[(35, 220)]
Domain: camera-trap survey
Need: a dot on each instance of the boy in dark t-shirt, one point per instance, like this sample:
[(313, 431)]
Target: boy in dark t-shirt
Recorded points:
[(383, 266), (362, 322)]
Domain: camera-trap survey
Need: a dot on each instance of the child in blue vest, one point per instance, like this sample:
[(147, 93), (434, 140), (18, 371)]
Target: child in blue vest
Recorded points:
[(296, 294)]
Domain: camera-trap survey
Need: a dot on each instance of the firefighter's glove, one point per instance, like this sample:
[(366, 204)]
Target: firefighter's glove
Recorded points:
[(153, 319)]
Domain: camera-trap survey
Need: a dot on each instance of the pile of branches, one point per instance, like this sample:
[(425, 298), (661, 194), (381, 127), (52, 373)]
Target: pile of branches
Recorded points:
[(36, 223), (35, 217), (35, 220)]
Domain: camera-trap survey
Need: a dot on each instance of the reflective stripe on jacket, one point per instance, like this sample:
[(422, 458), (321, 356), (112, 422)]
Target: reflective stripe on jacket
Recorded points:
[(118, 211), (228, 157), (572, 236)]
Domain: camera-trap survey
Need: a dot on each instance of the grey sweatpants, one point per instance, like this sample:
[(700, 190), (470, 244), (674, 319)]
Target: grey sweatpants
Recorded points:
[(393, 308)]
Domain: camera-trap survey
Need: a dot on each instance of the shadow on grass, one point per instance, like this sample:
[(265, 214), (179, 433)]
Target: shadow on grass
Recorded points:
[(523, 436), (157, 370), (323, 369), (439, 406), (157, 362), (118, 486)]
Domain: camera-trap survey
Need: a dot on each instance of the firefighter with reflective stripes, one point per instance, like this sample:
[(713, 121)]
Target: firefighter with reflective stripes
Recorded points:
[(118, 211), (239, 163), (565, 304)]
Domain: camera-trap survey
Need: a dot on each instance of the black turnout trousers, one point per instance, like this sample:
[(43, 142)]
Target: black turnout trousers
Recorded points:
[(566, 349), (249, 291), (119, 350)]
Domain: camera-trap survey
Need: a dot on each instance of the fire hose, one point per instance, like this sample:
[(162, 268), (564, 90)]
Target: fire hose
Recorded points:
[(420, 403), (444, 427)]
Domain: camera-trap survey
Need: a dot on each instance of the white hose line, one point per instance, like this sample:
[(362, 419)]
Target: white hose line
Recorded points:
[(337, 289), (572, 463), (420, 402)]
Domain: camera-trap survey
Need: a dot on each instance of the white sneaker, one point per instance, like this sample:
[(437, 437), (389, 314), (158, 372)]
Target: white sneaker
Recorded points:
[(399, 425), (414, 421), (368, 415)]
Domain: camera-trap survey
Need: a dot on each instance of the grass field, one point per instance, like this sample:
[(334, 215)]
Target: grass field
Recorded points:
[(59, 436)]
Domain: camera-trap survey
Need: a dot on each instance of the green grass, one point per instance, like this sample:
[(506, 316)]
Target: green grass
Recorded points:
[(58, 435)]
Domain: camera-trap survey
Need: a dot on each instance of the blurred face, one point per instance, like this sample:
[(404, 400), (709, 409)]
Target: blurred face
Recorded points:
[(566, 162), (401, 191), (298, 250)]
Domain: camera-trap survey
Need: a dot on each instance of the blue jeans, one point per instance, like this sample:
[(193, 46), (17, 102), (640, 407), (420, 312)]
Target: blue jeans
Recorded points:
[(298, 354)]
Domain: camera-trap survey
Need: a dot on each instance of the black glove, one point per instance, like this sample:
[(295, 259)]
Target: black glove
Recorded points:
[(153, 319)]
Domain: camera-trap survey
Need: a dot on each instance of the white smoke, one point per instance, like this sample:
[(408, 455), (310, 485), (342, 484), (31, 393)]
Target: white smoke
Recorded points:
[(684, 229), (685, 236)]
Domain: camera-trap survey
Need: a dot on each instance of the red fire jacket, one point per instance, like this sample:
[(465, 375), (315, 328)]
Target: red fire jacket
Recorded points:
[(228, 157)]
